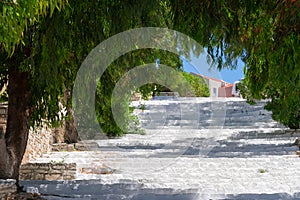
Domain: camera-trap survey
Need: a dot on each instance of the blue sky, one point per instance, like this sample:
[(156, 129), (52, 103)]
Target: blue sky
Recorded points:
[(200, 65)]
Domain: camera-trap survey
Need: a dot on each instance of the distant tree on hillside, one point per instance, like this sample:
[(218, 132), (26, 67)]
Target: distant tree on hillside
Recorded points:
[(200, 87)]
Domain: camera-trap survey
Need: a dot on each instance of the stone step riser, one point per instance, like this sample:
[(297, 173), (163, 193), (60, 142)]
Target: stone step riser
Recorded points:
[(207, 122)]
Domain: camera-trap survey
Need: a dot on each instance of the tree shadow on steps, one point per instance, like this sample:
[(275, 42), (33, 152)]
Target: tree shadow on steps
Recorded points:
[(95, 189)]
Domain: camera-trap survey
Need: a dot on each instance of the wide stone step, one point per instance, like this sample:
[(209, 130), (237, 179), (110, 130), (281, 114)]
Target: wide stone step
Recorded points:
[(227, 111), (212, 126), (98, 190), (203, 107), (132, 189), (211, 121)]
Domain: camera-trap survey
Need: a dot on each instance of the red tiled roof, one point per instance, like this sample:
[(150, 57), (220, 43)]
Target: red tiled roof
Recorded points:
[(229, 85), (207, 77)]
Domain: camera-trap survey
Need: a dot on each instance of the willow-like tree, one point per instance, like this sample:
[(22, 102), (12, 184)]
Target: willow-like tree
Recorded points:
[(264, 34), (19, 24), (43, 45)]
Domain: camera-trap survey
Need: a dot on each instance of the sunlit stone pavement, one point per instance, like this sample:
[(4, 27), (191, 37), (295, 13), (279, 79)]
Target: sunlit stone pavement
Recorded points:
[(194, 148)]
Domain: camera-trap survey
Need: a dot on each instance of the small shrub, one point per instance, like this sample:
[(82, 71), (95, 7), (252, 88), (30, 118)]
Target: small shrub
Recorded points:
[(262, 171), (142, 107)]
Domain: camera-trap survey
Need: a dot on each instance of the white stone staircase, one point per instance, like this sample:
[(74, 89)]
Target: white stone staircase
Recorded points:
[(199, 113), (194, 148)]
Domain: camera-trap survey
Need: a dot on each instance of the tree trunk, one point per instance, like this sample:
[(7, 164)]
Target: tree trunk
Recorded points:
[(71, 135), (70, 131), (13, 142)]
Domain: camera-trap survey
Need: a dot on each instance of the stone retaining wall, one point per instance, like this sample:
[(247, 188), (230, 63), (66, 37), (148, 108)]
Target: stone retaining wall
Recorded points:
[(39, 142), (39, 139), (48, 171)]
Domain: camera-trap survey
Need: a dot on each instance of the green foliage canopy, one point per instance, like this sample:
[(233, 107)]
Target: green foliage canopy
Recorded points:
[(265, 34)]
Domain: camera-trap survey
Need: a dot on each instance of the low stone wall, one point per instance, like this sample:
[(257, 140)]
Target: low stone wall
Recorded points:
[(48, 171), (3, 115), (7, 187), (68, 147), (80, 146)]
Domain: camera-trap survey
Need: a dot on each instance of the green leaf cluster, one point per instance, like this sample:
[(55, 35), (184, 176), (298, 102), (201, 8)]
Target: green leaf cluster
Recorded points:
[(199, 86), (17, 16)]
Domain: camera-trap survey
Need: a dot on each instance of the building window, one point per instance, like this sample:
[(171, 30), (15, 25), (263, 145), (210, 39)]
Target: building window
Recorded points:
[(214, 92)]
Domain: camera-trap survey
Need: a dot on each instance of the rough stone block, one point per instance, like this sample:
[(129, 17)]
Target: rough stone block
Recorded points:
[(28, 166), (80, 147), (44, 166), (58, 166), (70, 147), (25, 171), (52, 177), (71, 166), (40, 171), (53, 171), (37, 177)]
